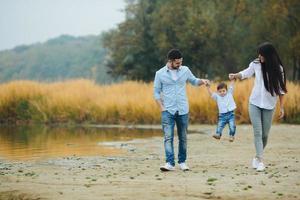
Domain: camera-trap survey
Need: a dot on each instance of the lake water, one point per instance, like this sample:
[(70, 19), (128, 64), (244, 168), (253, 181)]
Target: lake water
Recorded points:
[(41, 142)]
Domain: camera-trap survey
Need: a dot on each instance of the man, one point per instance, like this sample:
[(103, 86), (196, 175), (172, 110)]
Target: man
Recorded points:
[(170, 95)]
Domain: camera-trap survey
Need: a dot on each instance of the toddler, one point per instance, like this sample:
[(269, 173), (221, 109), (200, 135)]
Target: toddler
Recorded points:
[(226, 106)]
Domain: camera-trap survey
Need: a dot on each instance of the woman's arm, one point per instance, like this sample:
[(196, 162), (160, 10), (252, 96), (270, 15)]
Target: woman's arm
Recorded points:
[(246, 73), (281, 102)]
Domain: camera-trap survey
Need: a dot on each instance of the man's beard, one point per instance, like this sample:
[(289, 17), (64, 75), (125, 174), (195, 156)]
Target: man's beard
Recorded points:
[(175, 67)]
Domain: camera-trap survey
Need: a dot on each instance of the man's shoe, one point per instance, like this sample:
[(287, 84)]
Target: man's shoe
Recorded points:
[(255, 163), (167, 167), (260, 167), (231, 138), (184, 167), (216, 136)]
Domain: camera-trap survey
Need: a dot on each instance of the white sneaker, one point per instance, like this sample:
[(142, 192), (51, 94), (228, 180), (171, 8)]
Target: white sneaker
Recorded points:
[(184, 167), (167, 167), (260, 167), (255, 163)]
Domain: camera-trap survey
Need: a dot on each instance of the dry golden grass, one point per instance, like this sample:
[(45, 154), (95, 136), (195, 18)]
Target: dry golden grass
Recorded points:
[(81, 101)]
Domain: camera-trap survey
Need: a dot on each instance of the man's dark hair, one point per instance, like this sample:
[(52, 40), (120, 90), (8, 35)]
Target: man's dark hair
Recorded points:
[(174, 54), (221, 86)]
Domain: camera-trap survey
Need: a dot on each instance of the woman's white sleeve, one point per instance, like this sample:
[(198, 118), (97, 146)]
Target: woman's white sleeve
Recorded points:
[(247, 73)]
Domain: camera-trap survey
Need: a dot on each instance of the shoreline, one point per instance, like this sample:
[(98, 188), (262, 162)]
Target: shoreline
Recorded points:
[(219, 170)]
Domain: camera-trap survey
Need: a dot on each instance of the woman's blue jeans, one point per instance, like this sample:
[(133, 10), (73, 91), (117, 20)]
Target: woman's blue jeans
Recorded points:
[(168, 123)]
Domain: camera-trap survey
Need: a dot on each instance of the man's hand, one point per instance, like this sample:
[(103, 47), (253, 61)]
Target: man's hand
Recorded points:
[(208, 84), (204, 81), (161, 105)]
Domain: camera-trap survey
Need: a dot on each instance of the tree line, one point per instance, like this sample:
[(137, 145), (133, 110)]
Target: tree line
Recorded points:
[(215, 36), (61, 58)]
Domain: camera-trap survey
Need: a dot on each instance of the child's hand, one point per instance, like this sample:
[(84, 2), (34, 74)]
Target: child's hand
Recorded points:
[(208, 84)]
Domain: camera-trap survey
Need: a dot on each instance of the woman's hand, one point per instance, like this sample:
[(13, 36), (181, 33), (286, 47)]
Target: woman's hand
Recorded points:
[(281, 113), (232, 76)]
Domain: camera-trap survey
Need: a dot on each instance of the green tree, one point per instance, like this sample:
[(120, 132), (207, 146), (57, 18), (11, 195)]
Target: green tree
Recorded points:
[(216, 37)]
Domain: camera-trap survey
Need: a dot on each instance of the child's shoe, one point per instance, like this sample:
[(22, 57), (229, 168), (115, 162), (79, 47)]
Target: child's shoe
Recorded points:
[(231, 138), (216, 136)]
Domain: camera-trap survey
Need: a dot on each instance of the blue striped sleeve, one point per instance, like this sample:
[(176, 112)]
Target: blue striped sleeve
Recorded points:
[(157, 86), (192, 79)]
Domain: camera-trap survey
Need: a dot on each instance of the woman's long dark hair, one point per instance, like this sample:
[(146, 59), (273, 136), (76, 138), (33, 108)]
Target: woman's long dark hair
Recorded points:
[(272, 69)]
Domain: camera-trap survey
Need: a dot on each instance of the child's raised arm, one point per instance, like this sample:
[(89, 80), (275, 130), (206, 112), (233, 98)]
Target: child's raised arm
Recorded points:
[(208, 89), (231, 86)]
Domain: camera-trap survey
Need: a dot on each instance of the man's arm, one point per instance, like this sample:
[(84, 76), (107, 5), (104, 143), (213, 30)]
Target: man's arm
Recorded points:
[(157, 86), (160, 104), (196, 81)]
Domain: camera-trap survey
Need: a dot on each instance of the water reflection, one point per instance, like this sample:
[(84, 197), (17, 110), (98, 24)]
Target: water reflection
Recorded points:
[(38, 142)]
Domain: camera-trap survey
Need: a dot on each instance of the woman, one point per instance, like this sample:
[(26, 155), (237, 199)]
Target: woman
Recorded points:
[(270, 82)]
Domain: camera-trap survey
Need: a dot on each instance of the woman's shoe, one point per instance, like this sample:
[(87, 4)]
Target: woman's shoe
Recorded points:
[(260, 167), (255, 163)]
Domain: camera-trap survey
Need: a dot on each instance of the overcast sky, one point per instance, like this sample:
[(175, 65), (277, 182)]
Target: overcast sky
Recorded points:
[(31, 21)]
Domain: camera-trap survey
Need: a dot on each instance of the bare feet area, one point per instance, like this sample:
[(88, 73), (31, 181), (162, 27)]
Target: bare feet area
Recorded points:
[(219, 170)]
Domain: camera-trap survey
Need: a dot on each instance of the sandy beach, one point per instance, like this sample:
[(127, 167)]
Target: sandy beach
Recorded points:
[(219, 170)]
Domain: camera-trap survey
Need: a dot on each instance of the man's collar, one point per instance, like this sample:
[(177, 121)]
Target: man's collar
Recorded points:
[(168, 69)]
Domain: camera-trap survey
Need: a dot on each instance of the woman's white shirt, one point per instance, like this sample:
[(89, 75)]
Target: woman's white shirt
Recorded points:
[(260, 97)]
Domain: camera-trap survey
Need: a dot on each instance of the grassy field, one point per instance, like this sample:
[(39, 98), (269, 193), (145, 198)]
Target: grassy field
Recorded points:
[(83, 101)]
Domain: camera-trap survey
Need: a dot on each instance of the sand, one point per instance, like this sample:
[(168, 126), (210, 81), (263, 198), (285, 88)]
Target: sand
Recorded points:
[(219, 170)]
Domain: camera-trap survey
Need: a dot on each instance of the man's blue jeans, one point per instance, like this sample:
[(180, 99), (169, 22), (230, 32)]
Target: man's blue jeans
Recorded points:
[(168, 123), (226, 118)]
